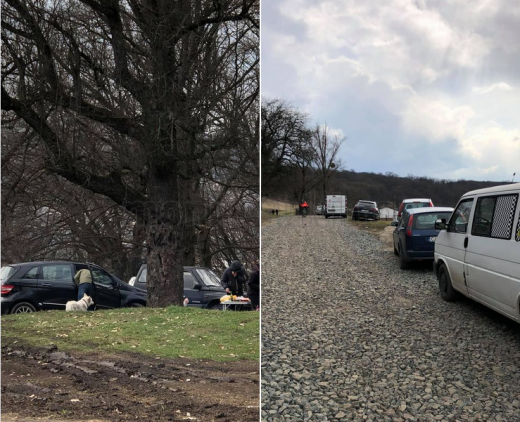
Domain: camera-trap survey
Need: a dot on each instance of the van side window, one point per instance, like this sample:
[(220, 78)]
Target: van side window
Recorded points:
[(460, 217), (494, 216)]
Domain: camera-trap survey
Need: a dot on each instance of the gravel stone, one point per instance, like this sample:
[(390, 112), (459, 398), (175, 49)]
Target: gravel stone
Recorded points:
[(347, 335)]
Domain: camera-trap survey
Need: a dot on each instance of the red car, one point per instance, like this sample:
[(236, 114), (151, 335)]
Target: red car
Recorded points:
[(413, 203)]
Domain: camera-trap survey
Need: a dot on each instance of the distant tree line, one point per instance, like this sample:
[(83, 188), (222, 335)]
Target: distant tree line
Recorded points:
[(386, 189)]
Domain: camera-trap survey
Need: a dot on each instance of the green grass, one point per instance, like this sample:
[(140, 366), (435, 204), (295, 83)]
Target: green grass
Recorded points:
[(162, 332)]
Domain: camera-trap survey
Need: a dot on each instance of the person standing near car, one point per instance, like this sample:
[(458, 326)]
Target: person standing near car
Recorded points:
[(83, 280), (253, 287), (233, 279)]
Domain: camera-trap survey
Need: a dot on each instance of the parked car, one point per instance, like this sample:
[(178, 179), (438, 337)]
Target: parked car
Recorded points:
[(477, 253), (366, 210), (414, 235), (318, 210), (413, 203), (201, 286), (36, 286)]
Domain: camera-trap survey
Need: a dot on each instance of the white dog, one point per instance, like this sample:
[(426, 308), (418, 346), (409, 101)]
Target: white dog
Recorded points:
[(80, 305)]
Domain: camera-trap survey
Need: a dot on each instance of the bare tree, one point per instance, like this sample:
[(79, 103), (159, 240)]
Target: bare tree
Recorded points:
[(326, 148), (136, 101)]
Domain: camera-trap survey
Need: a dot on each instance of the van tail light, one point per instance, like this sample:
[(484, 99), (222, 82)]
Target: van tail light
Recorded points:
[(409, 226), (7, 288)]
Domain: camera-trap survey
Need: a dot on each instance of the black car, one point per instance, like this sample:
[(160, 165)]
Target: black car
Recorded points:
[(201, 286), (35, 286), (365, 210)]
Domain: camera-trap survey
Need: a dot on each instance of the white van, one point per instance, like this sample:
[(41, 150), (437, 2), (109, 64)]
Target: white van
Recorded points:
[(336, 206), (478, 253)]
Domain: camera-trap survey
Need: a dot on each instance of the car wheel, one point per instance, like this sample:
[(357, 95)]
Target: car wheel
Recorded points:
[(23, 308), (215, 306), (403, 262), (448, 293), (136, 305)]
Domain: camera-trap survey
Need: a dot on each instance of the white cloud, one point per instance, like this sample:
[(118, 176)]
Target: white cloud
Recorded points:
[(403, 71), (433, 121), (501, 86)]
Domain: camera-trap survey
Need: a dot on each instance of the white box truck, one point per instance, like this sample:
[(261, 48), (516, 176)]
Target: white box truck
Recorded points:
[(336, 206)]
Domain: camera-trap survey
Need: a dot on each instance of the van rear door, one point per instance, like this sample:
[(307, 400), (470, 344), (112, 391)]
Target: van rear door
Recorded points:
[(491, 251)]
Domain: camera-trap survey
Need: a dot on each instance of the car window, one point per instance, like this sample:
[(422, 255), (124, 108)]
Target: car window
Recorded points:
[(100, 276), (6, 272), (189, 280), (416, 205), (208, 277), (142, 276), (460, 217), (517, 235), (427, 221), (494, 216), (32, 274), (56, 272)]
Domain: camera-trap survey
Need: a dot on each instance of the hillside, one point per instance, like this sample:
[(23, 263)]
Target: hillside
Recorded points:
[(386, 189)]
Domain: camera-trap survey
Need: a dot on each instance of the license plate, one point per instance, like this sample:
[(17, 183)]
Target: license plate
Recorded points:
[(431, 239), (364, 210)]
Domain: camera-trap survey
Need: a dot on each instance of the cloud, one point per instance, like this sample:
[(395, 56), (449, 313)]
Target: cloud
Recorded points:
[(402, 77), (501, 86), (434, 121)]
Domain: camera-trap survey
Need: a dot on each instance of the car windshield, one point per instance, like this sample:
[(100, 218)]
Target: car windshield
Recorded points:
[(427, 221), (208, 277), (416, 205), (6, 272)]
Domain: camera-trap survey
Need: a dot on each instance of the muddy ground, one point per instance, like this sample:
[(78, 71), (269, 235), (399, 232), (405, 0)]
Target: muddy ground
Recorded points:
[(49, 385)]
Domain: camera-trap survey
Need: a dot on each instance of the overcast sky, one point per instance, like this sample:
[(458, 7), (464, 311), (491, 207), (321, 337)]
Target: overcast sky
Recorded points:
[(428, 88)]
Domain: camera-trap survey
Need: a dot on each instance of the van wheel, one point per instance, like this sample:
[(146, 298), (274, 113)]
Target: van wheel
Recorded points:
[(448, 293), (23, 308)]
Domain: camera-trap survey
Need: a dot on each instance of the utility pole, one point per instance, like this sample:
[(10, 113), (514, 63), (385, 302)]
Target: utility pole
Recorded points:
[(514, 174)]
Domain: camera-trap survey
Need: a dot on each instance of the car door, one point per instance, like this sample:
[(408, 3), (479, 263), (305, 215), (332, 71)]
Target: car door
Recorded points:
[(452, 245), (56, 286), (489, 253), (195, 296), (105, 291)]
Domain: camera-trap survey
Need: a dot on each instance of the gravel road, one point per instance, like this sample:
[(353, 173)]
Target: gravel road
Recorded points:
[(347, 335)]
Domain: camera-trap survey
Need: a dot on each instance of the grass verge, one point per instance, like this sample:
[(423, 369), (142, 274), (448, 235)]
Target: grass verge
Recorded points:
[(374, 227), (162, 332), (284, 209)]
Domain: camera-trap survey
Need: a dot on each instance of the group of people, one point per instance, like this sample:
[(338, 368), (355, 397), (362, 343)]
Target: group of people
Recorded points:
[(274, 212), (235, 279)]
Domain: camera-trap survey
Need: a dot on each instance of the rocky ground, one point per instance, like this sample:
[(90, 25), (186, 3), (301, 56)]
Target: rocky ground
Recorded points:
[(48, 385), (347, 335)]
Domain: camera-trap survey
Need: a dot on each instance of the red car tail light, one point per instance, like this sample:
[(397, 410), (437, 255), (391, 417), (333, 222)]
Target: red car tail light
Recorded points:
[(373, 209), (409, 226), (431, 204), (7, 288)]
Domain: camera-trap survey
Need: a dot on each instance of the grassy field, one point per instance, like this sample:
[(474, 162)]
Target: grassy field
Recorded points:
[(166, 332), (284, 209)]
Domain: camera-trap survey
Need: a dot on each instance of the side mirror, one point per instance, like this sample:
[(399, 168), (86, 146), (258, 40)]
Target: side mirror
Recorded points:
[(440, 224), (394, 223), (197, 287)]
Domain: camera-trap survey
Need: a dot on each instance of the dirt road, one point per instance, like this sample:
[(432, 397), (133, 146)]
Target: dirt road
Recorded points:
[(39, 385), (348, 336)]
